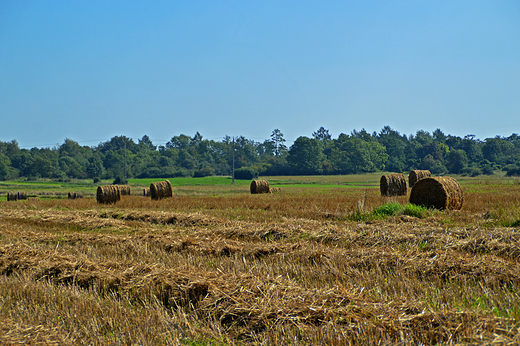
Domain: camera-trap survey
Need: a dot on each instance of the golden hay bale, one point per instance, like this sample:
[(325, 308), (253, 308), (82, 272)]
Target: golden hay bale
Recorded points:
[(161, 189), (274, 189), (33, 198), (259, 186), (124, 189), (75, 195), (22, 195), (438, 192), (393, 185), (108, 194), (417, 175), (146, 192), (12, 196)]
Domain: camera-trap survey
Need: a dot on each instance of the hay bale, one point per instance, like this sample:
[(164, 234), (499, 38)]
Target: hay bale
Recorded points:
[(108, 194), (274, 189), (146, 192), (161, 189), (417, 175), (124, 189), (34, 199), (259, 186), (393, 185), (437, 192), (75, 195), (22, 195), (12, 196)]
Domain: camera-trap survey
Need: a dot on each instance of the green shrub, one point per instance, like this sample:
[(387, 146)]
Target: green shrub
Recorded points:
[(120, 181), (415, 210), (246, 173), (204, 172), (388, 209), (516, 223)]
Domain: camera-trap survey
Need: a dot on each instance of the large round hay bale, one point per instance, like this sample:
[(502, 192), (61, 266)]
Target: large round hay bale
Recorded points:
[(393, 185), (22, 195), (417, 175), (124, 189), (12, 196), (259, 186), (108, 194), (161, 189), (437, 192)]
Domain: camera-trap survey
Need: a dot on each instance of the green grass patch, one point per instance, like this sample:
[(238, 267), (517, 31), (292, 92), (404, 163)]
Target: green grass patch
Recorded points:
[(389, 209), (415, 210), (205, 181)]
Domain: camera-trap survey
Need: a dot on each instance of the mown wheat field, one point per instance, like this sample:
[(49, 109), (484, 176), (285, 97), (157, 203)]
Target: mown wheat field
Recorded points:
[(304, 266)]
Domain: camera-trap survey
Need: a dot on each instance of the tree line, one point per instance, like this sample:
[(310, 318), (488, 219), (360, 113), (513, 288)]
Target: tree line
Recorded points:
[(186, 156)]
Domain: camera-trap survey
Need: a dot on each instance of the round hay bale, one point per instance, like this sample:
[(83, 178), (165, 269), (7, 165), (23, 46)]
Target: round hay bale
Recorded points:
[(146, 192), (274, 189), (22, 195), (108, 194), (75, 195), (124, 189), (259, 186), (417, 175), (161, 189), (12, 196), (393, 185), (438, 192), (33, 198)]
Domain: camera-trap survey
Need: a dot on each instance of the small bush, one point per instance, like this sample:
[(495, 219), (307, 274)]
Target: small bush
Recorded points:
[(488, 170), (415, 210), (475, 172), (120, 181), (204, 172), (246, 173), (389, 209), (512, 171)]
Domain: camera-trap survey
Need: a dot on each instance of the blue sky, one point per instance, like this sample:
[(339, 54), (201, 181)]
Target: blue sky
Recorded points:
[(91, 70)]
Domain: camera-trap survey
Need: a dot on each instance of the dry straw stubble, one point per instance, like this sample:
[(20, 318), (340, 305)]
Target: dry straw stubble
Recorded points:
[(259, 186), (416, 175), (438, 192), (393, 185), (108, 194), (161, 189)]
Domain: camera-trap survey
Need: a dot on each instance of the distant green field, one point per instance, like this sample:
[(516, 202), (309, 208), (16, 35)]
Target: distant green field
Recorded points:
[(190, 181), (223, 185)]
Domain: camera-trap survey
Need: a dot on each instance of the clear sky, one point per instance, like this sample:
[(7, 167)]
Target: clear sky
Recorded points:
[(92, 70)]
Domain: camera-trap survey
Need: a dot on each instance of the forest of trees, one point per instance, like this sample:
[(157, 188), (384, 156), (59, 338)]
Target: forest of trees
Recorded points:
[(359, 152)]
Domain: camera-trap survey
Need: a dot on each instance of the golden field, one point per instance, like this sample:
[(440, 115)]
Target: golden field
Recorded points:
[(312, 264)]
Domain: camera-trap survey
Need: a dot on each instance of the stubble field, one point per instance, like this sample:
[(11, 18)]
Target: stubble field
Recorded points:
[(214, 265)]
